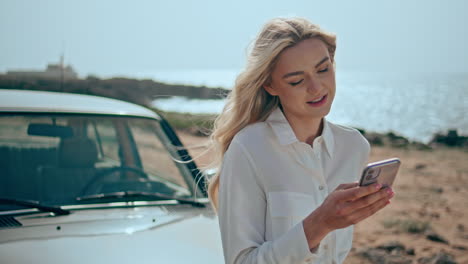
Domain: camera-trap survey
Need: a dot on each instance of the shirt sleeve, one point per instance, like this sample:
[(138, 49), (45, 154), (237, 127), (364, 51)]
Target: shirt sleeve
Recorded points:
[(242, 217)]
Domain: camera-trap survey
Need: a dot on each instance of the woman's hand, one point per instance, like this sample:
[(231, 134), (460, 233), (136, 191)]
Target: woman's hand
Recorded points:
[(347, 205)]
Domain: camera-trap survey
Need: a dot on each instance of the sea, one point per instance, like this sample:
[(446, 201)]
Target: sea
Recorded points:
[(414, 105)]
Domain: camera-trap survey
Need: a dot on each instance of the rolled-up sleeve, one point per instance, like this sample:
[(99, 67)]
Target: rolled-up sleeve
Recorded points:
[(242, 214)]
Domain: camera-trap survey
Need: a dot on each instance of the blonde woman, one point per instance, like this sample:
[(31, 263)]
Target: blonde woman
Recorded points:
[(286, 191)]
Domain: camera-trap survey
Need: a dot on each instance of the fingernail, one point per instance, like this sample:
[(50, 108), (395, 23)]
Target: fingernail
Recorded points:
[(388, 202), (390, 193), (378, 186)]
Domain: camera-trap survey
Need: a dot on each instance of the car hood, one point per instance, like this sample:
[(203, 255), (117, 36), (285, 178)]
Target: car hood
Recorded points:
[(162, 234)]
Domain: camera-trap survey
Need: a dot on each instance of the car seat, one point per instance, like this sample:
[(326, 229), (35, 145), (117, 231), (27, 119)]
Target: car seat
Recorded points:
[(76, 159)]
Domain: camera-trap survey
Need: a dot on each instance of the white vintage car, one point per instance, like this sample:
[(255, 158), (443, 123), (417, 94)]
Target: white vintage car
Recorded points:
[(87, 179)]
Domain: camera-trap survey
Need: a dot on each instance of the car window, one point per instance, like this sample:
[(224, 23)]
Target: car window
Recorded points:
[(154, 155), (14, 132), (54, 159), (104, 133)]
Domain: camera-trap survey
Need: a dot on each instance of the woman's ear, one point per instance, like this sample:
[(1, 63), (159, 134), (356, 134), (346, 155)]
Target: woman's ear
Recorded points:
[(269, 89)]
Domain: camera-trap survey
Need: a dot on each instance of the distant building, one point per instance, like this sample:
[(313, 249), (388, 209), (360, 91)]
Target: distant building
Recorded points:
[(53, 71)]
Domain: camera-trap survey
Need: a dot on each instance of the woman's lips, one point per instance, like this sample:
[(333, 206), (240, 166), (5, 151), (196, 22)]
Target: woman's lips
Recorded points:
[(320, 102)]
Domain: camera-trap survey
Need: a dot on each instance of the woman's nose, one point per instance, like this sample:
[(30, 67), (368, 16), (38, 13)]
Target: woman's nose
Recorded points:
[(313, 86)]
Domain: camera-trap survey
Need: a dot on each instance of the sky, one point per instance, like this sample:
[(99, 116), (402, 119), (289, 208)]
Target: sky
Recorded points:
[(115, 37)]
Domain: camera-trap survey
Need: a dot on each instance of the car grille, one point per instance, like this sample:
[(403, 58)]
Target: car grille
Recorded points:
[(8, 221)]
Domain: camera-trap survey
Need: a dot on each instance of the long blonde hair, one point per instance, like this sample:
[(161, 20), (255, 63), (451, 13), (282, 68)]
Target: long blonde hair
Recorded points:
[(248, 102)]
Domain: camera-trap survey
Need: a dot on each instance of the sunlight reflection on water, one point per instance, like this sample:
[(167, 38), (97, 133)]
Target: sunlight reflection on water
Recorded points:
[(416, 106)]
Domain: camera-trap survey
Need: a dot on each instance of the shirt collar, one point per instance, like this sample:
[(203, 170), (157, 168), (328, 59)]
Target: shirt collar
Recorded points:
[(285, 133)]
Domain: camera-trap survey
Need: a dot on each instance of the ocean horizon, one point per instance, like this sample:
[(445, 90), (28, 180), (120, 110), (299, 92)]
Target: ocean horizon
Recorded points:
[(414, 105)]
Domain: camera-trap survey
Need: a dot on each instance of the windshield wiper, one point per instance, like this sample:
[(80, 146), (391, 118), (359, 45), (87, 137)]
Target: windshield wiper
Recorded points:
[(35, 204), (135, 194)]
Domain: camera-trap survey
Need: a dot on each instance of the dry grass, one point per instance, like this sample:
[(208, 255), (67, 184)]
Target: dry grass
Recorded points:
[(431, 193)]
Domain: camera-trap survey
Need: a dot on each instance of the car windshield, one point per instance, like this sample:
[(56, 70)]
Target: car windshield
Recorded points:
[(54, 159)]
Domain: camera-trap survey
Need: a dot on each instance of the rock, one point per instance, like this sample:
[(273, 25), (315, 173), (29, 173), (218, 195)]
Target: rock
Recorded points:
[(375, 139), (420, 166), (421, 146), (393, 136), (392, 246), (397, 140), (372, 254), (460, 247), (392, 139), (437, 189), (439, 258), (435, 215), (375, 255), (452, 139), (436, 238), (410, 251)]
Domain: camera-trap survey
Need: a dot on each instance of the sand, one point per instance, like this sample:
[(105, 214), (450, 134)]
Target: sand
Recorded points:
[(431, 195)]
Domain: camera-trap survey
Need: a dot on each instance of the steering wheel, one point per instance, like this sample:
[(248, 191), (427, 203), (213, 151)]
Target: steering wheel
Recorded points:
[(141, 174)]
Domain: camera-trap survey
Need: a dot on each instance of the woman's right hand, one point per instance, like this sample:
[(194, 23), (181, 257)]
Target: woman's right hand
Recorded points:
[(347, 205)]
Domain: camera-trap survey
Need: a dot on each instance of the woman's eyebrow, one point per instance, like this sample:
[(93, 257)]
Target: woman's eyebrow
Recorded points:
[(292, 74), (322, 61), (302, 72)]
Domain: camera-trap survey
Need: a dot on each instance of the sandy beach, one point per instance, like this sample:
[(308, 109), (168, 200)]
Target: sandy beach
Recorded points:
[(428, 215)]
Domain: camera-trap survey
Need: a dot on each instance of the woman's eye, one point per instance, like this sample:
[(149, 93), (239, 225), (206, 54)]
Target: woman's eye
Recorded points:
[(324, 70), (296, 83)]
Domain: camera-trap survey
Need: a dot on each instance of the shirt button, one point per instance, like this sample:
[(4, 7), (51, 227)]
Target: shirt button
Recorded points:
[(325, 247), (321, 187)]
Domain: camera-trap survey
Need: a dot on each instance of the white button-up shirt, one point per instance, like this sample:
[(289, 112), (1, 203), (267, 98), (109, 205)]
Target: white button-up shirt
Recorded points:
[(270, 182)]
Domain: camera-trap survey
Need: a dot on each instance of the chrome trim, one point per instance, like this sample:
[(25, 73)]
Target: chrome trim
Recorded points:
[(20, 211), (104, 205), (128, 204), (118, 204), (202, 200)]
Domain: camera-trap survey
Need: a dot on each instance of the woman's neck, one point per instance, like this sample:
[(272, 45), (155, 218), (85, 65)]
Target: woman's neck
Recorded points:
[(305, 129)]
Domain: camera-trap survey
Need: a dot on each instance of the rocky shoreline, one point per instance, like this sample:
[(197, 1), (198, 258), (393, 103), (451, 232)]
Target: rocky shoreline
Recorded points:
[(450, 139), (201, 125), (133, 90)]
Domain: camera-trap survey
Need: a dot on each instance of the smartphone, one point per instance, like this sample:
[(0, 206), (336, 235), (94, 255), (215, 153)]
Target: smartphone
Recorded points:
[(382, 172)]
